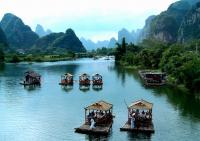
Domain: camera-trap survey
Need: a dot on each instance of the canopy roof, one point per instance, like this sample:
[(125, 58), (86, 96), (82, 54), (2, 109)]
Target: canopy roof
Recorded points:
[(100, 105), (141, 105), (97, 75), (68, 74), (84, 74), (152, 72), (32, 74)]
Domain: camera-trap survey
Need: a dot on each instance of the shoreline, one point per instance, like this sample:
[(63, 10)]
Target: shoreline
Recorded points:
[(170, 82)]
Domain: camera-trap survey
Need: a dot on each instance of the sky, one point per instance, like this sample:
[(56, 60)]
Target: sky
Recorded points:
[(91, 19)]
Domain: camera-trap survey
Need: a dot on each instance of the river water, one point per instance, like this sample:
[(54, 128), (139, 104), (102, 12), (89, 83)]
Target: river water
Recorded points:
[(51, 112)]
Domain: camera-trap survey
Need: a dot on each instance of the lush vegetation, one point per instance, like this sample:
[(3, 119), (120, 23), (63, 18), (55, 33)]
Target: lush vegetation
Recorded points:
[(181, 62), (1, 56), (102, 52), (15, 58)]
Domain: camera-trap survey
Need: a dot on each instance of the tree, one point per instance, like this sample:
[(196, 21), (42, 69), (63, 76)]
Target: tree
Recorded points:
[(1, 56), (123, 46), (15, 59)]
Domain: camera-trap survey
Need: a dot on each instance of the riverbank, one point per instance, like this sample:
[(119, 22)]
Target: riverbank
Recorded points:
[(171, 81), (34, 109), (180, 62), (14, 58)]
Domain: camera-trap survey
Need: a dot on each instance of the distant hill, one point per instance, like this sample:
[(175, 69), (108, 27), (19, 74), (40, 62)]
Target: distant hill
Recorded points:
[(124, 33), (90, 45), (112, 43), (179, 23), (190, 27), (145, 32), (130, 36), (103, 43), (3, 40), (41, 32), (165, 26), (17, 33), (59, 43)]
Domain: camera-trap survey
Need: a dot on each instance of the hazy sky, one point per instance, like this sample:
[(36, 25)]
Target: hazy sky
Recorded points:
[(94, 19)]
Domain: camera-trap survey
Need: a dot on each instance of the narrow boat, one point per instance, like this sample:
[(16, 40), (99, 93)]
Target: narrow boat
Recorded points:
[(97, 79), (67, 79), (107, 58), (153, 78), (31, 78), (98, 119), (84, 79), (139, 117)]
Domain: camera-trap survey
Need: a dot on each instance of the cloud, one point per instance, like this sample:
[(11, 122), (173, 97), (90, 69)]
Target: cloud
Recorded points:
[(84, 15)]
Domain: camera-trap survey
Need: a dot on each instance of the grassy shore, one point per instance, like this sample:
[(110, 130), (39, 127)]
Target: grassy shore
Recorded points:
[(13, 58)]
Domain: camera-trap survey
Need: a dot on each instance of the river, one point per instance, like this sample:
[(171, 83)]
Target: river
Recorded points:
[(51, 112)]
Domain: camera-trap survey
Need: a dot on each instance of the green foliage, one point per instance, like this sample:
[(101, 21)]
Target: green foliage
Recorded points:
[(58, 43), (15, 59), (18, 34), (120, 51), (180, 62), (1, 56)]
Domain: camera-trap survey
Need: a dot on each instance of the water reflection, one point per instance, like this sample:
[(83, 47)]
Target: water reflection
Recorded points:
[(2, 67), (17, 107), (32, 87), (121, 73), (67, 88), (96, 138), (66, 68), (139, 136), (84, 88), (187, 103), (97, 87)]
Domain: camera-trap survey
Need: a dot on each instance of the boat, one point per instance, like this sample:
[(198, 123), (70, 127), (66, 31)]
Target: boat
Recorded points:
[(67, 79), (84, 79), (139, 117), (107, 58), (98, 119), (153, 78), (97, 79), (31, 78), (95, 58)]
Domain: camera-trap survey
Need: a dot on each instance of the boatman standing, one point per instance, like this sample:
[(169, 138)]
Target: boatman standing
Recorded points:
[(133, 121), (92, 124)]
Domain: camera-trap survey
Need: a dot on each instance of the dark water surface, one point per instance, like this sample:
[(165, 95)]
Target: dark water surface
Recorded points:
[(50, 112)]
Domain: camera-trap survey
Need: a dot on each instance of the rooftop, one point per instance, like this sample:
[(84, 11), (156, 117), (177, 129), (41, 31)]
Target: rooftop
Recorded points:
[(141, 105), (100, 105)]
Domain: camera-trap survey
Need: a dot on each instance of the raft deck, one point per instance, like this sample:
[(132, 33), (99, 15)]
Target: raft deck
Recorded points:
[(142, 76), (28, 84), (127, 127), (102, 130)]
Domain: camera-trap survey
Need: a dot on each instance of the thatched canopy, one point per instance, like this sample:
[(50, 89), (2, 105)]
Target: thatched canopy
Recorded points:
[(32, 74), (141, 105), (84, 75), (156, 72), (68, 74), (96, 76), (100, 105)]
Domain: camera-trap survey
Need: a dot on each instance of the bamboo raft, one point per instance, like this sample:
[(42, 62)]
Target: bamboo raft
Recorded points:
[(31, 78), (98, 119), (127, 127), (139, 121), (102, 130), (157, 78)]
